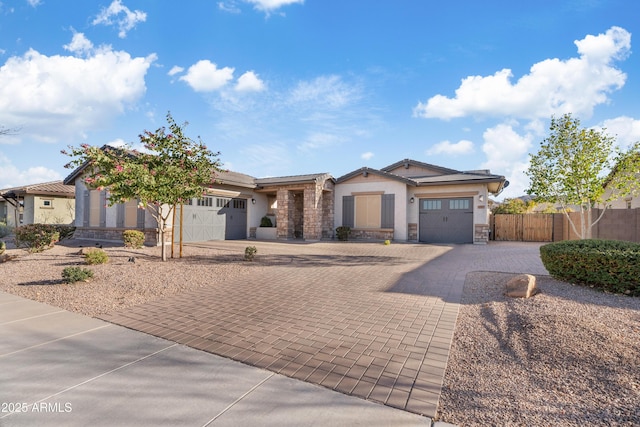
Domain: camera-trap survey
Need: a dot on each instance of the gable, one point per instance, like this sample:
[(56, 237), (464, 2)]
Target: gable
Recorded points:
[(413, 171)]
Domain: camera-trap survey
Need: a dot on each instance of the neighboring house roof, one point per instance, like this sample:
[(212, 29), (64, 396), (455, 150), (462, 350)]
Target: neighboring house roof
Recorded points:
[(53, 188), (294, 179)]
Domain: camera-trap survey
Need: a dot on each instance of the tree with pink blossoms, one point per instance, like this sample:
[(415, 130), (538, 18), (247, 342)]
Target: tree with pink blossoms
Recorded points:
[(171, 169)]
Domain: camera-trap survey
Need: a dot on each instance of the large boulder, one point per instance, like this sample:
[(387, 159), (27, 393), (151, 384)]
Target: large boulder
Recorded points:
[(521, 286)]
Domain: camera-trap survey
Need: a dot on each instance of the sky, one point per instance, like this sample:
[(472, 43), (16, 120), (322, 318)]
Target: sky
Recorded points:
[(289, 87)]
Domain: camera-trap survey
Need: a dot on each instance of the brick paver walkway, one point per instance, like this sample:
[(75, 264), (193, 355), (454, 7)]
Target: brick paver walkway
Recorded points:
[(367, 320)]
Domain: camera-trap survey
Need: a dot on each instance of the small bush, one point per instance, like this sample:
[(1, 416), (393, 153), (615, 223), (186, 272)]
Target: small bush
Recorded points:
[(343, 232), (387, 242), (76, 274), (3, 247), (96, 256), (266, 222), (37, 237), (609, 265), (5, 230), (66, 231), (133, 239), (250, 253)]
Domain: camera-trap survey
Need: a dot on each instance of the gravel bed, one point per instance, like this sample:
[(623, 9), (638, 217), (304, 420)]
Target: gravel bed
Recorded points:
[(569, 356), (131, 277)]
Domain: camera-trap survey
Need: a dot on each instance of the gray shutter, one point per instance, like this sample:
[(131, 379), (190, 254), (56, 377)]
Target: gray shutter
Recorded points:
[(141, 213), (103, 208), (86, 209), (120, 215), (388, 208), (348, 211)]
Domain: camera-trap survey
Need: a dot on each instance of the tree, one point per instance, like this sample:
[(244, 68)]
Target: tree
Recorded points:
[(514, 206), (170, 170), (573, 166)]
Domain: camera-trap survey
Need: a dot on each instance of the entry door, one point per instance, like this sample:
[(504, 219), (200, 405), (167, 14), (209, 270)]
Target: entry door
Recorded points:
[(446, 220)]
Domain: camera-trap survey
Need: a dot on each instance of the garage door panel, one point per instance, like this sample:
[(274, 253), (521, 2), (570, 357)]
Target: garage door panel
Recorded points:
[(206, 221), (446, 220)]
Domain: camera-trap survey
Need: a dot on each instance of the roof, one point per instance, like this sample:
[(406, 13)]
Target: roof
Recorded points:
[(53, 188), (294, 179), (408, 162), (366, 170), (236, 179)]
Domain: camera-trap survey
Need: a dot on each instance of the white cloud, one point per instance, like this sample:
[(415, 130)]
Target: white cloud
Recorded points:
[(319, 140), (34, 3), (119, 15), (326, 91), (205, 76), (11, 176), (268, 6), (367, 156), (507, 152), (228, 6), (79, 45), (625, 129), (175, 70), (56, 97), (249, 82), (446, 147), (552, 86)]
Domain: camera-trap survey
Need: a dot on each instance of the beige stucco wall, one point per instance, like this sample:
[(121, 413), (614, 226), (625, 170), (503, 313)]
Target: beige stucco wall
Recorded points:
[(61, 211)]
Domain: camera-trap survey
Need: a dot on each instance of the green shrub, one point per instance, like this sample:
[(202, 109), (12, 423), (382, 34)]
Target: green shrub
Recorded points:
[(76, 274), (343, 232), (610, 265), (266, 222), (249, 253), (387, 242), (133, 239), (37, 237), (96, 256), (5, 230), (3, 247)]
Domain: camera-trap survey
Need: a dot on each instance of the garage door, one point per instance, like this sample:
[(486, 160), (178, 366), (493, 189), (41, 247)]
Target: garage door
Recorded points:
[(446, 220), (213, 218)]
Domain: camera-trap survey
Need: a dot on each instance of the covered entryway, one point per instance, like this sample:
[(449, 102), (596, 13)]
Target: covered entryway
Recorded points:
[(446, 220), (212, 218)]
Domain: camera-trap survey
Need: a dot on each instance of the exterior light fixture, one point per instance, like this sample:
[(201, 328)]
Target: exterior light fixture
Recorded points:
[(411, 200), (253, 201)]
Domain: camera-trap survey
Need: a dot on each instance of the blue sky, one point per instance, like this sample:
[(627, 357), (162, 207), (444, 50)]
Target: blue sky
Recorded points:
[(286, 87)]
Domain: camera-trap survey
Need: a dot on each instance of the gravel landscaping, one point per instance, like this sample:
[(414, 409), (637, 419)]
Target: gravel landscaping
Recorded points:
[(569, 356)]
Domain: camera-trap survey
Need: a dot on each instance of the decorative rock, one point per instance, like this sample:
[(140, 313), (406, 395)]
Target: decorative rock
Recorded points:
[(521, 286)]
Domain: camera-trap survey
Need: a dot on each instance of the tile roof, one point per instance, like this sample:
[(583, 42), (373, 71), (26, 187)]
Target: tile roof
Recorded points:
[(45, 188), (294, 179)]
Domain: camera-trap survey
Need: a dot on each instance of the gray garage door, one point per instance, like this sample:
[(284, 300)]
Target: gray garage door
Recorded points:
[(213, 218), (446, 220)]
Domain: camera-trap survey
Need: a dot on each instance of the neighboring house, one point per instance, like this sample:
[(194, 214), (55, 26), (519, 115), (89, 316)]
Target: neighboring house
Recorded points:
[(415, 201), (45, 203), (398, 202)]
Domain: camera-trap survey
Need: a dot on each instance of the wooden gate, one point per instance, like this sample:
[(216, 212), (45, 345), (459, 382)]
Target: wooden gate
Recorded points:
[(523, 227)]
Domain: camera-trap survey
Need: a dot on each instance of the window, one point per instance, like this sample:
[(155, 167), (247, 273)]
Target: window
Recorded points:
[(368, 211), (206, 201), (47, 203), (239, 204), (94, 208), (459, 204), (432, 205), (222, 202)]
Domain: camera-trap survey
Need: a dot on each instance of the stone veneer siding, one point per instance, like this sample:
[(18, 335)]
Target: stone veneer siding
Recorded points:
[(481, 233), (305, 211)]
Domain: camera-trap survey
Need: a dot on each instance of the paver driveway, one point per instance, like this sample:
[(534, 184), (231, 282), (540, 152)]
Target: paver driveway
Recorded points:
[(364, 319)]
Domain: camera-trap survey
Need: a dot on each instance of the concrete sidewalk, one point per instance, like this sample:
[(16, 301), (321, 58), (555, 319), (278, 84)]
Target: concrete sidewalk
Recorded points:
[(63, 369)]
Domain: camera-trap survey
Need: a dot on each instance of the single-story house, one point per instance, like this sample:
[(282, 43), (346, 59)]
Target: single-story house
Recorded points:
[(397, 202), (44, 203), (414, 201)]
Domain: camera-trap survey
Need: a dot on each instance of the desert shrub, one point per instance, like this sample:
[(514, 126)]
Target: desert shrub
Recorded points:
[(609, 265), (96, 256), (250, 253), (266, 222), (3, 247), (387, 242), (133, 239), (66, 231), (5, 230), (76, 274), (36, 237), (343, 232)]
